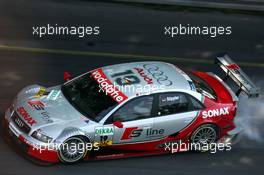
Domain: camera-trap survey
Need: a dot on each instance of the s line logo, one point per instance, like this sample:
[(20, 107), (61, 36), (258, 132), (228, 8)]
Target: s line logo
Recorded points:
[(38, 105), (215, 112), (129, 133)]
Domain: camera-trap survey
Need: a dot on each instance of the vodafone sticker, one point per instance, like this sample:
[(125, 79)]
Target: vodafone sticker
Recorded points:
[(107, 86)]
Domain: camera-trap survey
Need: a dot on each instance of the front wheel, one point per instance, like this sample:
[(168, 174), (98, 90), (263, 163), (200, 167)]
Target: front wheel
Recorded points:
[(72, 150)]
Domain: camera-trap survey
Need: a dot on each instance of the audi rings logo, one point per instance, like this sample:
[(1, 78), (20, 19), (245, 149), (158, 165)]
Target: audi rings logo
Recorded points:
[(19, 122), (158, 74)]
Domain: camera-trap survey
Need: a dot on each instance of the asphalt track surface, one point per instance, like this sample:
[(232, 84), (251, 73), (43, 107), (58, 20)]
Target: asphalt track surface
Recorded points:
[(129, 33)]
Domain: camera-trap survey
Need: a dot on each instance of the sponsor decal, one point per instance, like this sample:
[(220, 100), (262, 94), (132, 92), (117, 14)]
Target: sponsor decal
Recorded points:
[(215, 112), (40, 106), (37, 105), (54, 94), (104, 130), (142, 74), (155, 132), (129, 133), (26, 116), (157, 74), (19, 122), (45, 116), (104, 135), (107, 86), (32, 90), (132, 132), (104, 143), (233, 67), (41, 91)]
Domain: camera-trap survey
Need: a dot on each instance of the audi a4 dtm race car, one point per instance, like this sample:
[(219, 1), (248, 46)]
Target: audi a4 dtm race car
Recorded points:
[(102, 109)]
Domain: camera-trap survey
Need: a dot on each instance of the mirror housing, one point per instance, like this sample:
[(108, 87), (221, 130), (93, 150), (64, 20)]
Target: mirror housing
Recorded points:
[(118, 124), (67, 76)]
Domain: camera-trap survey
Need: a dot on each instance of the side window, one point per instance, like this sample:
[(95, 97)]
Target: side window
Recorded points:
[(196, 104), (136, 109), (173, 103)]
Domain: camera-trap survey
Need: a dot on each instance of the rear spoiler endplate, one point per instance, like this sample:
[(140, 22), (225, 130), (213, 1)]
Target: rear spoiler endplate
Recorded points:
[(234, 72)]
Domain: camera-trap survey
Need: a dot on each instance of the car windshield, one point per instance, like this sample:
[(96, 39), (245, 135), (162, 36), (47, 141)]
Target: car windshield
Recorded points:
[(201, 86), (86, 96)]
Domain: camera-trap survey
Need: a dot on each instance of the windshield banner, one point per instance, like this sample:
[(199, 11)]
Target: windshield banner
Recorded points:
[(107, 86)]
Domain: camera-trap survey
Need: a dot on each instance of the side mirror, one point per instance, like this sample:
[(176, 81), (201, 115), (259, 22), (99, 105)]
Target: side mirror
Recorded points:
[(118, 124), (66, 76)]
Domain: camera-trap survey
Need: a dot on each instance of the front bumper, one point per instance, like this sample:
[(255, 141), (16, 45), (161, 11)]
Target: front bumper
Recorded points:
[(26, 144)]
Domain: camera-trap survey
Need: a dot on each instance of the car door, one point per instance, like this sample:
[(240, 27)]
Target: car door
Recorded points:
[(175, 111), (136, 117)]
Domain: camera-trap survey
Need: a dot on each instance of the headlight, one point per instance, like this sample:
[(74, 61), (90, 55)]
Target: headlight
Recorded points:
[(41, 137)]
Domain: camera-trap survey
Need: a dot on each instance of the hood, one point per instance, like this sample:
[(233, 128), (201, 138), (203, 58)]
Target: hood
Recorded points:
[(40, 107)]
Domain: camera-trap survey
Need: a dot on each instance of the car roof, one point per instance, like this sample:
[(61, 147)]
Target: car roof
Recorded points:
[(140, 78)]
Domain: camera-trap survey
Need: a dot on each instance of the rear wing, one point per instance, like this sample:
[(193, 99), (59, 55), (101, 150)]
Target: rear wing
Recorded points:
[(234, 72)]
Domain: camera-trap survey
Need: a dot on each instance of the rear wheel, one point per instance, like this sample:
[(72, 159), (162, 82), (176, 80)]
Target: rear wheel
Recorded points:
[(72, 150), (204, 137)]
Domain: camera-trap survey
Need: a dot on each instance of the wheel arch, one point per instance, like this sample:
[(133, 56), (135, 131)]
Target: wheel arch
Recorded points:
[(73, 132)]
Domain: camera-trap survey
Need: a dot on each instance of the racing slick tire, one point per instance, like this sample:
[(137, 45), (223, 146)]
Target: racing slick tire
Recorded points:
[(72, 150), (204, 137)]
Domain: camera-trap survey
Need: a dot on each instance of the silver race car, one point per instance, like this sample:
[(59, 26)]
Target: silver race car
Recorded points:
[(123, 110)]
